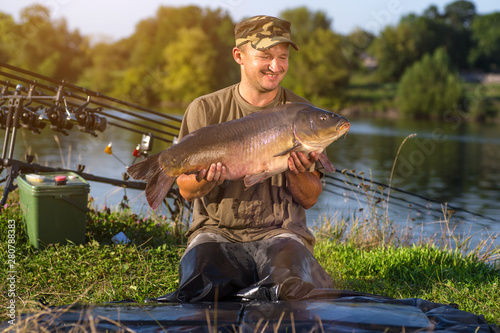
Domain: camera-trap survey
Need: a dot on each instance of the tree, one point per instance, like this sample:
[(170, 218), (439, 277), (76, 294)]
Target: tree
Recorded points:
[(154, 35), (485, 54), (355, 45), (395, 49), (430, 87), (399, 47), (305, 22), (319, 71), (460, 13), (46, 46), (8, 37), (432, 13), (189, 66), (107, 64)]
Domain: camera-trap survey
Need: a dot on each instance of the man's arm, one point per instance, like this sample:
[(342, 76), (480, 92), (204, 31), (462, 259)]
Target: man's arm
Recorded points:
[(304, 185), (197, 185)]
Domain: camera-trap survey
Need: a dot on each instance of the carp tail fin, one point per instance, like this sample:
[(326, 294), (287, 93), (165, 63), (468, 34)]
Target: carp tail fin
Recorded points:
[(145, 169), (159, 181), (158, 187)]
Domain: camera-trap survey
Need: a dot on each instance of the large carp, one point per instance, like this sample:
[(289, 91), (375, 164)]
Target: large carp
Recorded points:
[(252, 148)]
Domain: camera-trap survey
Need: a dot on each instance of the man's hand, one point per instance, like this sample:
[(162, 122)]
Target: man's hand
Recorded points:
[(197, 185), (304, 185), (216, 173), (298, 162)]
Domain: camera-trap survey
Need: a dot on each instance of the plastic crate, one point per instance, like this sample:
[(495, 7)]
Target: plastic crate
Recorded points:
[(54, 211)]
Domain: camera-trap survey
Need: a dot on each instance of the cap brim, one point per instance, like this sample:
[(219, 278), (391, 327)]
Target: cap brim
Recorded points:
[(276, 41)]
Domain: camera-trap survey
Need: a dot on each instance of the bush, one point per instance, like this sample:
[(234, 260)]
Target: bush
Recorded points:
[(430, 87)]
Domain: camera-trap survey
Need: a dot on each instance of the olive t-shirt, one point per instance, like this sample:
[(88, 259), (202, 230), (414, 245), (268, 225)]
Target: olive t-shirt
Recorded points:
[(231, 210)]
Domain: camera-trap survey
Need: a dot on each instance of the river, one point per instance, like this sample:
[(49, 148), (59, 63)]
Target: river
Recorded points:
[(445, 162)]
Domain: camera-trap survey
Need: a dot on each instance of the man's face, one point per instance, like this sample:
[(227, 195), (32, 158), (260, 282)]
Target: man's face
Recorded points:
[(264, 70)]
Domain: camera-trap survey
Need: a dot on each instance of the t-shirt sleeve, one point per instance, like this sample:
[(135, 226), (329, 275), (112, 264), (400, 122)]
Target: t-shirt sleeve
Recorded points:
[(194, 118)]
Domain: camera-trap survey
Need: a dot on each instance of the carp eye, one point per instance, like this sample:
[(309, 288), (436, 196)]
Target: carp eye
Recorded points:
[(323, 117)]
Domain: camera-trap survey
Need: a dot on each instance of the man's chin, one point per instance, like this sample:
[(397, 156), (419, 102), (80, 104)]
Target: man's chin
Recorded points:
[(271, 86)]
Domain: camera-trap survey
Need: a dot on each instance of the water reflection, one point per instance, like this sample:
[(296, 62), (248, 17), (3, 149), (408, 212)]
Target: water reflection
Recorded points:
[(453, 163)]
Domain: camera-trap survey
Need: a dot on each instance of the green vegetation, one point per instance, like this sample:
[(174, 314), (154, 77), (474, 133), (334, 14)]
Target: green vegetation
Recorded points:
[(371, 257), (430, 87), (149, 67)]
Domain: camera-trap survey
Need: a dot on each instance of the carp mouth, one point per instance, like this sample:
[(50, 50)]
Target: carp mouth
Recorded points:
[(343, 128)]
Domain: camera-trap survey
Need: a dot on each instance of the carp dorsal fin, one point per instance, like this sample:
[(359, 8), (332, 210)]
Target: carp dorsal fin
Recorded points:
[(326, 163), (286, 152)]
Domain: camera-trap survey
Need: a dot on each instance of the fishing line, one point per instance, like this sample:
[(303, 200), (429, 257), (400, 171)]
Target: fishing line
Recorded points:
[(419, 208), (415, 195)]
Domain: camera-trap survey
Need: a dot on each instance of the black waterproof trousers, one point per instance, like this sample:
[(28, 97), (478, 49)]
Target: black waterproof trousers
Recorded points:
[(272, 269)]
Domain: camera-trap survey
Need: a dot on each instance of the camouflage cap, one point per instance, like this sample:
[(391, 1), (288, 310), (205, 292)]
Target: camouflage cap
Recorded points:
[(263, 32)]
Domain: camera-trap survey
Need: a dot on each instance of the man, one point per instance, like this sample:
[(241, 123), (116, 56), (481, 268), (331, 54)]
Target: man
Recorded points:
[(250, 243)]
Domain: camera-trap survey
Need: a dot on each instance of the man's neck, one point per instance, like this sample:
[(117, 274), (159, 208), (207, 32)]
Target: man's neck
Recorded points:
[(256, 98)]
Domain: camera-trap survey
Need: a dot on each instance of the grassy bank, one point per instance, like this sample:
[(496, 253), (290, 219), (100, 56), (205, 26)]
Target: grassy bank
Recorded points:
[(361, 256)]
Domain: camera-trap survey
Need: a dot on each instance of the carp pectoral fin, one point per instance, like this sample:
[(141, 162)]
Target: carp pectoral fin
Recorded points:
[(157, 188), (286, 152), (250, 180), (326, 163)]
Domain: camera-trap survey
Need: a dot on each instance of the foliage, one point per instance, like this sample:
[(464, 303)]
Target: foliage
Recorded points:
[(430, 87), (190, 66), (160, 61), (486, 37), (460, 13), (399, 47), (42, 45), (180, 52), (395, 49), (8, 37), (355, 46), (106, 63), (319, 71), (185, 47)]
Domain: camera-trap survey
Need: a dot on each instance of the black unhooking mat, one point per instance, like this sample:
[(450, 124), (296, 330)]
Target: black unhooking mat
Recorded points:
[(345, 314)]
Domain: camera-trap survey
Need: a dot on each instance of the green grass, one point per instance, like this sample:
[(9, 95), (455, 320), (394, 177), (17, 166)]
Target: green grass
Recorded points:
[(357, 258), (99, 271), (415, 272)]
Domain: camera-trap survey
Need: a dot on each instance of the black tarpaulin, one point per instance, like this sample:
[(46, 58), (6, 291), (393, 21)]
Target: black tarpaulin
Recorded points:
[(345, 314)]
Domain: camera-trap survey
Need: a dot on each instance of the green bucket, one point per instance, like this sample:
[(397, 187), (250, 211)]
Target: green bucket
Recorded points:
[(55, 212)]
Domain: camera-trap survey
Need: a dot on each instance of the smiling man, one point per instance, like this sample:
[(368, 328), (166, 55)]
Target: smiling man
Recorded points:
[(250, 243)]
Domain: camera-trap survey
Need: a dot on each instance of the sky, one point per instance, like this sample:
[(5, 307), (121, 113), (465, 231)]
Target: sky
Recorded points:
[(116, 19)]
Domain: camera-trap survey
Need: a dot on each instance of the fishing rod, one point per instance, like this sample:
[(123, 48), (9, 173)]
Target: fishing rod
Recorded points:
[(69, 94), (61, 106), (86, 91), (452, 207), (358, 194)]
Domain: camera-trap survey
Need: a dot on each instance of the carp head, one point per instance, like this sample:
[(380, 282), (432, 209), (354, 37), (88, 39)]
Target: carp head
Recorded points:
[(318, 128)]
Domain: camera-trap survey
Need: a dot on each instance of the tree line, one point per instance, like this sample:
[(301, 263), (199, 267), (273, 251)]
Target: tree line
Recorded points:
[(183, 52)]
